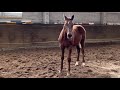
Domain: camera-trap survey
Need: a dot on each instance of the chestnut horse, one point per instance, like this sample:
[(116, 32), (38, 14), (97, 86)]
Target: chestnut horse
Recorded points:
[(71, 35)]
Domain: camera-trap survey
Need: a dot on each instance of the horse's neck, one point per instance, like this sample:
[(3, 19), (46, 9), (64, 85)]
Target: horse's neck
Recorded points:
[(64, 34)]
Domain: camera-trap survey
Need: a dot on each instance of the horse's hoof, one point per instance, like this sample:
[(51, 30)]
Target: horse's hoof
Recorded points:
[(83, 64), (77, 63), (68, 74), (59, 71)]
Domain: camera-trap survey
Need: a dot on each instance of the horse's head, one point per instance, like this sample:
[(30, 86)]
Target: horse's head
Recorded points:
[(68, 25)]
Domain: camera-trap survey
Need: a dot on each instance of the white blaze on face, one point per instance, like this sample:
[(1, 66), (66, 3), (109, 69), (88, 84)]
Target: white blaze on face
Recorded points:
[(69, 31)]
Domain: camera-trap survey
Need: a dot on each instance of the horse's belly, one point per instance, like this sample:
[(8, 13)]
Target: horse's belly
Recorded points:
[(77, 39)]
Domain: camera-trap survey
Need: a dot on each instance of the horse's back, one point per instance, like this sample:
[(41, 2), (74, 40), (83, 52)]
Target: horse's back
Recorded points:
[(79, 28)]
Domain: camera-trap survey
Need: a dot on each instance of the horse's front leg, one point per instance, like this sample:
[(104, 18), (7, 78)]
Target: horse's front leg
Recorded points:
[(78, 54), (69, 60), (62, 58)]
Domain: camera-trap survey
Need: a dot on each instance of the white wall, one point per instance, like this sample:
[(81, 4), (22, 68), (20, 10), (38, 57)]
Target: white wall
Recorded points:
[(36, 17), (80, 17), (112, 17)]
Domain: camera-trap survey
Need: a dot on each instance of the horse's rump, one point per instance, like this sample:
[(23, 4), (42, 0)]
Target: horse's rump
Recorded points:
[(79, 33), (79, 28)]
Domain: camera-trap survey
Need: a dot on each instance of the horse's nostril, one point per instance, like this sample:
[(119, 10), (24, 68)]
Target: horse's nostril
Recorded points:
[(69, 35)]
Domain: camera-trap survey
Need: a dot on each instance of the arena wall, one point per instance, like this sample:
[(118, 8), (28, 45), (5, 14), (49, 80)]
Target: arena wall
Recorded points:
[(19, 35)]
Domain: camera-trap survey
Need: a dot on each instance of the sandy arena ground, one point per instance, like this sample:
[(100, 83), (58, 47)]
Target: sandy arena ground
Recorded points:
[(101, 62)]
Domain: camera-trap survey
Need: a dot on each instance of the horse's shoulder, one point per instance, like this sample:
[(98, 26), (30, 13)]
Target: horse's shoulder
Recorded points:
[(61, 35)]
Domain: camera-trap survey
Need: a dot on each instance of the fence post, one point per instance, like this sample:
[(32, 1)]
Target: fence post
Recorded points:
[(46, 17), (103, 18)]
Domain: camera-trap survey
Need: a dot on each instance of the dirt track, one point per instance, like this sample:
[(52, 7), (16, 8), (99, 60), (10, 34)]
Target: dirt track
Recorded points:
[(101, 62)]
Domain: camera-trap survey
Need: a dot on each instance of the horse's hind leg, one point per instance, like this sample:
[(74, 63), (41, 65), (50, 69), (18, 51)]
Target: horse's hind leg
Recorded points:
[(62, 58), (78, 52), (82, 48)]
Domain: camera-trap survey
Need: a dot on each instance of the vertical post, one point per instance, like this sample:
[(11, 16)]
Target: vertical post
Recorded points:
[(46, 17), (103, 18)]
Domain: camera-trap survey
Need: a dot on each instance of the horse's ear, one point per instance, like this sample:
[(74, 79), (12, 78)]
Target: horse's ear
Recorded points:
[(72, 17), (65, 18)]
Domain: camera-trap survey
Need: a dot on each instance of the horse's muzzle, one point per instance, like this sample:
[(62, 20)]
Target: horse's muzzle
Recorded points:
[(69, 35)]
